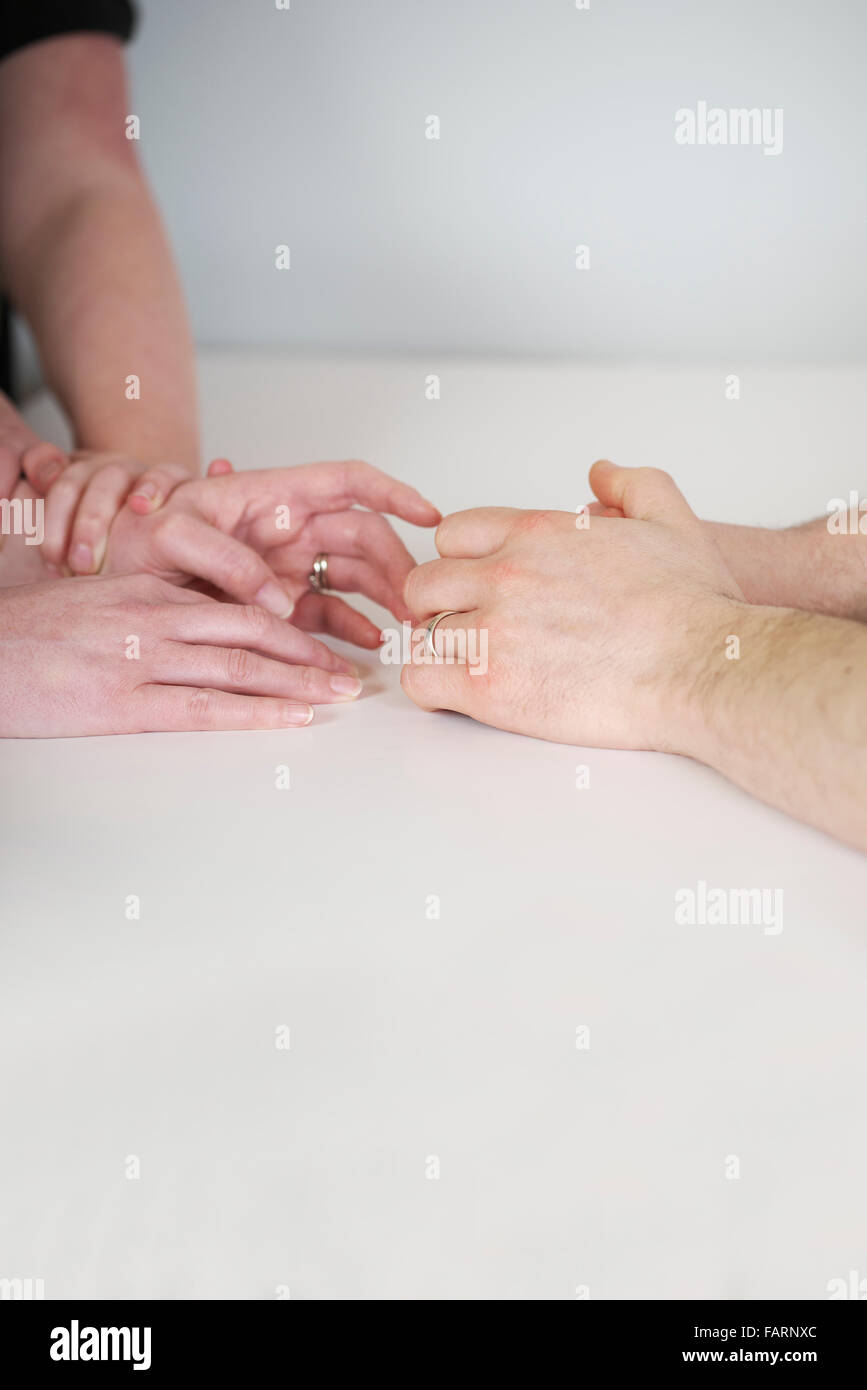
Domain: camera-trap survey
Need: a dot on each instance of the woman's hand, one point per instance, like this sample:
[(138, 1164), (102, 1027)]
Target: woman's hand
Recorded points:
[(134, 654), (253, 536), (599, 628)]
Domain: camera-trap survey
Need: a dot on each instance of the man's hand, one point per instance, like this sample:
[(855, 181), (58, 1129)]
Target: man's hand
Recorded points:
[(134, 654), (813, 566), (599, 628), (633, 633), (253, 536)]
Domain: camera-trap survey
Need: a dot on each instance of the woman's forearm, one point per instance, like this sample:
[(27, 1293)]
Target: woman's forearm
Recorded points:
[(106, 307), (84, 256)]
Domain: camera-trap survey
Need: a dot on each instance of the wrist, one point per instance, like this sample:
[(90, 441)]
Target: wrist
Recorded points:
[(739, 657), (767, 564), (149, 452), (709, 643), (804, 567)]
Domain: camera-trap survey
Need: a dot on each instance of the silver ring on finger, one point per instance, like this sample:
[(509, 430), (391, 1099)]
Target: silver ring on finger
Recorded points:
[(318, 576), (430, 629)]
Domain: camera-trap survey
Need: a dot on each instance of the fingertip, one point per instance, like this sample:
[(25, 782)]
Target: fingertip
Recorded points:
[(345, 687), (138, 504), (217, 468), (297, 714), (43, 465), (433, 516), (275, 600), (600, 466), (145, 497), (81, 559)]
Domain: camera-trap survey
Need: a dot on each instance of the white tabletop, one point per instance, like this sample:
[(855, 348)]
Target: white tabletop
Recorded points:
[(562, 1170)]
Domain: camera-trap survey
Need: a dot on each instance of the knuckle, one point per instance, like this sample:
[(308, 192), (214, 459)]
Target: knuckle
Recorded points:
[(201, 706), (240, 666), (503, 574), (148, 589), (257, 622), (72, 480), (239, 575), (64, 492), (308, 680), (116, 474), (530, 522), (656, 476), (87, 523)]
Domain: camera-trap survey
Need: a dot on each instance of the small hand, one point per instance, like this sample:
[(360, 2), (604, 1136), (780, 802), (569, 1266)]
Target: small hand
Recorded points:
[(84, 497), (253, 536), (22, 451)]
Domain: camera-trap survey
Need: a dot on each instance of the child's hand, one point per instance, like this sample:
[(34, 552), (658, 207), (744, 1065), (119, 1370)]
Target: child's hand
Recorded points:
[(84, 497), (22, 451), (253, 536)]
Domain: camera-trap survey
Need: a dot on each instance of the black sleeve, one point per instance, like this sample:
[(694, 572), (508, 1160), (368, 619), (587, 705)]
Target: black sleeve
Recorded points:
[(27, 21)]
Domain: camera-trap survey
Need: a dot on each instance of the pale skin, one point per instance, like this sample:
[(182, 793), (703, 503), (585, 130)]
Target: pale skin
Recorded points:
[(85, 260), (615, 634), (620, 643), (84, 257), (221, 666), (137, 654)]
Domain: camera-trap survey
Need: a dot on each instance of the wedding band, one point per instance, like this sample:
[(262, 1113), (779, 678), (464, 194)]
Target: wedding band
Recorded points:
[(318, 576), (431, 628)]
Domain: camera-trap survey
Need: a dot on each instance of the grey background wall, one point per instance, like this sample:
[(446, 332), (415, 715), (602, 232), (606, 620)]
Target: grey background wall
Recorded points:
[(306, 127)]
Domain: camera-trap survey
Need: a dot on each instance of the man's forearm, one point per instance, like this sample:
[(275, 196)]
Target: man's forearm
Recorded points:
[(84, 256), (804, 567), (787, 717)]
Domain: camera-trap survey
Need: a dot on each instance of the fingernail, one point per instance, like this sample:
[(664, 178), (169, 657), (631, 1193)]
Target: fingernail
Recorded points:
[(47, 473), (297, 714), (346, 685), (99, 556), (149, 491), (272, 597), (81, 559)]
